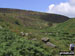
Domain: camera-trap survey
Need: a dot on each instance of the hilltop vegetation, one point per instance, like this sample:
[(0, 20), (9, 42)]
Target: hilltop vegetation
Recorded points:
[(21, 33), (29, 19)]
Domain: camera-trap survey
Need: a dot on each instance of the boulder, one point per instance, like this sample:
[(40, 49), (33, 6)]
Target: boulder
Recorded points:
[(26, 34), (45, 39), (51, 45), (22, 33)]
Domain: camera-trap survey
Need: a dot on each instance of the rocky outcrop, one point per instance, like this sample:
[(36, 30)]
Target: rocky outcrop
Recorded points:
[(46, 40)]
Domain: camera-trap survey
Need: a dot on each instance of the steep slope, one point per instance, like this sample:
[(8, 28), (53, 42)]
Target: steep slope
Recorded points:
[(68, 26)]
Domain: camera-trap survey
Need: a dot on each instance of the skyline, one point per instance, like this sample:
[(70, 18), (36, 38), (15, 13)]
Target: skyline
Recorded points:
[(38, 5), (48, 6)]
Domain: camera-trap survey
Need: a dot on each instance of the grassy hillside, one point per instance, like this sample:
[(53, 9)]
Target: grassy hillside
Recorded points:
[(22, 32), (22, 20), (67, 26)]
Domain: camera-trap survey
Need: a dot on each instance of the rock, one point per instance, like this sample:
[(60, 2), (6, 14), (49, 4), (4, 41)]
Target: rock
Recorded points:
[(34, 39), (40, 27), (45, 39), (26, 34), (22, 33), (50, 44)]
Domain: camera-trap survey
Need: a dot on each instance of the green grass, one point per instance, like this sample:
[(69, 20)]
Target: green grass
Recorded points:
[(13, 45), (36, 24)]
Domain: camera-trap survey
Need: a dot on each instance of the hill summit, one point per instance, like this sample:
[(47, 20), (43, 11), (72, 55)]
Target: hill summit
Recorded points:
[(30, 19)]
